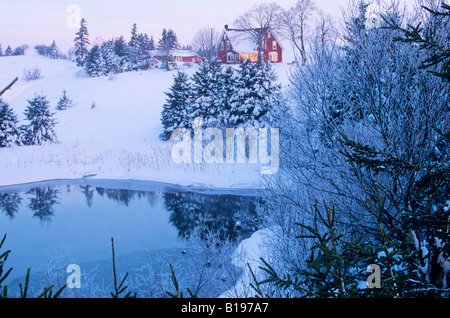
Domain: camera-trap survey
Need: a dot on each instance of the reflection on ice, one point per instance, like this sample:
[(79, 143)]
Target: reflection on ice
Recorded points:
[(74, 223)]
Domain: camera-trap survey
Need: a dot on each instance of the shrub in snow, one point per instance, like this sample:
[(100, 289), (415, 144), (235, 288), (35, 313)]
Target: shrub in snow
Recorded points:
[(41, 129), (9, 132), (32, 74)]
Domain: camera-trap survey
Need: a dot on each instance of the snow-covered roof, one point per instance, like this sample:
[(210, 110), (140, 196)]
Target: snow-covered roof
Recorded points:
[(184, 53), (244, 45)]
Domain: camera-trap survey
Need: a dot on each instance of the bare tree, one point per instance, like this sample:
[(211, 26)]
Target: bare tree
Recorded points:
[(258, 20), (204, 43), (295, 23), (324, 29)]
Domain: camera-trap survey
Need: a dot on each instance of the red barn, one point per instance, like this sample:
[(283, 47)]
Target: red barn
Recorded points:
[(235, 46)]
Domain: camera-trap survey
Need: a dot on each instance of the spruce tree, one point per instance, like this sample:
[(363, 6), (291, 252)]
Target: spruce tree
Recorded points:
[(256, 96), (54, 52), (226, 92), (41, 129), (207, 94), (201, 94), (9, 51), (121, 49), (9, 132), (176, 110), (110, 59), (134, 49), (64, 102), (81, 44), (94, 64), (166, 44)]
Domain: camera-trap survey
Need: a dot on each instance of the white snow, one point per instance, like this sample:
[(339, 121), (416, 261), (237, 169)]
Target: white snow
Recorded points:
[(118, 139), (248, 255)]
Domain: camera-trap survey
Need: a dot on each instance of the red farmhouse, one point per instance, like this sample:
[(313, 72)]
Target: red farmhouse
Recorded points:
[(235, 47)]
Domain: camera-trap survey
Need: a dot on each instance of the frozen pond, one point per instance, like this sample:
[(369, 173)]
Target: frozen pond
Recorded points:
[(73, 222)]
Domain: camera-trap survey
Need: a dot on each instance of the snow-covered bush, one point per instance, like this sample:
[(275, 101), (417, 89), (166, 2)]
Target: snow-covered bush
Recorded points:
[(369, 117), (32, 74)]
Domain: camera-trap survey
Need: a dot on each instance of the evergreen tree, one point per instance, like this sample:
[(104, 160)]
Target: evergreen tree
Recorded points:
[(81, 44), (95, 65), (134, 49), (54, 52), (206, 94), (201, 94), (110, 58), (121, 49), (257, 95), (64, 102), (166, 44), (151, 44), (9, 132), (176, 110), (41, 129), (226, 92), (1, 50), (9, 51)]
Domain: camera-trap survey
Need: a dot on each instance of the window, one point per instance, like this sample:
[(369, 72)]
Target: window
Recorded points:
[(221, 46), (228, 45), (273, 57), (230, 57), (274, 45)]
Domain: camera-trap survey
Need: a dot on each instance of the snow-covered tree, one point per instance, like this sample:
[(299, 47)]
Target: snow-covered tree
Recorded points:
[(41, 127), (224, 97), (167, 44), (81, 44), (257, 95), (177, 108), (206, 87), (112, 62), (9, 131), (8, 51), (1, 50), (54, 52), (94, 64), (121, 50), (134, 49), (64, 102)]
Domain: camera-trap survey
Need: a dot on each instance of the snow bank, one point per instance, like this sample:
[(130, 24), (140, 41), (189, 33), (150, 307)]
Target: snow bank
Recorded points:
[(249, 253)]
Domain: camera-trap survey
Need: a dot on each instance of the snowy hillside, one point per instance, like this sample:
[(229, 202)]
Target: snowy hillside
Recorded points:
[(117, 139)]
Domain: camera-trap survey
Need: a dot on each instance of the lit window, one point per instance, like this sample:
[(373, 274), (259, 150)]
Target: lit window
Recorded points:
[(273, 57), (274, 45)]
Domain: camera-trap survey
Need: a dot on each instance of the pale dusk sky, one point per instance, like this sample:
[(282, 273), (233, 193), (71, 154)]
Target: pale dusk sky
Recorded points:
[(40, 22)]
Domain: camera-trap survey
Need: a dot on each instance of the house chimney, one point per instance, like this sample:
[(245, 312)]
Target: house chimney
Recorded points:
[(226, 27)]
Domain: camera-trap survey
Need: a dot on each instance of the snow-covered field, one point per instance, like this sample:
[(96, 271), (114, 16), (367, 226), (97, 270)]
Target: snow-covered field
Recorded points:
[(117, 139)]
